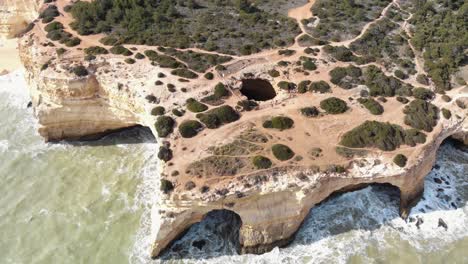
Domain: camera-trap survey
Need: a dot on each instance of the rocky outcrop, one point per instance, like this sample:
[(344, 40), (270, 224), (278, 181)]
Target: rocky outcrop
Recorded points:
[(15, 15)]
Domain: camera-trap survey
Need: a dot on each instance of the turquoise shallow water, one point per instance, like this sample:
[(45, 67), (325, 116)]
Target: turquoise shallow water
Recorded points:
[(90, 203)]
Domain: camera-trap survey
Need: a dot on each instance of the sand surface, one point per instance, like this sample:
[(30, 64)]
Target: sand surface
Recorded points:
[(9, 56)]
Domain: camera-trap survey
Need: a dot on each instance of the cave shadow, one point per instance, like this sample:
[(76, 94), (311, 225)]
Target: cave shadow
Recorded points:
[(347, 210), (125, 136), (257, 89)]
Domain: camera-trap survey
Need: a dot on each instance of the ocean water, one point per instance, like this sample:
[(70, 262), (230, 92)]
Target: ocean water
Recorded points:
[(90, 203)]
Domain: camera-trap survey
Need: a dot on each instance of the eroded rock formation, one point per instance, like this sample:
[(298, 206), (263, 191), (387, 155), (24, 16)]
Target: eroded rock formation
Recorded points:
[(15, 15), (272, 203)]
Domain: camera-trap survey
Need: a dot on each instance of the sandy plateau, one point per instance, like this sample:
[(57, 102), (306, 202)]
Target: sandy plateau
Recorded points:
[(271, 203)]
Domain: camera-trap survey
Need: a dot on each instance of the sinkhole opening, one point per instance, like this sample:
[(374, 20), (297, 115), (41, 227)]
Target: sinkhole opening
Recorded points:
[(258, 89)]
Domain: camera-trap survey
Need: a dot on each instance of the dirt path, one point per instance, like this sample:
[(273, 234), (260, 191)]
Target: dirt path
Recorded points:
[(300, 13)]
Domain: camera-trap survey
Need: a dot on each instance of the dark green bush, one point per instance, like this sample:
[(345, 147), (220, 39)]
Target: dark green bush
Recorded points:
[(303, 86), (400, 160), (279, 122), (139, 56), (334, 105), (346, 77), (158, 110), (286, 85), (274, 73), (165, 154), (184, 73), (166, 186), (190, 128), (286, 52), (384, 136), (401, 75), (261, 162), (421, 115), (310, 111), (309, 65), (372, 105), (219, 116), (220, 91), (95, 50), (247, 105), (177, 112), (402, 100), (422, 79), (446, 113), (282, 152), (53, 26), (130, 61), (80, 71), (423, 93), (209, 76), (164, 126), (446, 98), (320, 87), (120, 50), (382, 85), (195, 106)]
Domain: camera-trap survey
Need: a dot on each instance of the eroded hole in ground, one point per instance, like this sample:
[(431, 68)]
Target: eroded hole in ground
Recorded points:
[(258, 89)]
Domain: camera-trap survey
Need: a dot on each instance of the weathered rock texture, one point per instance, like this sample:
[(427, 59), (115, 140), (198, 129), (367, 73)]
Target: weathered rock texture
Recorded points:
[(15, 15)]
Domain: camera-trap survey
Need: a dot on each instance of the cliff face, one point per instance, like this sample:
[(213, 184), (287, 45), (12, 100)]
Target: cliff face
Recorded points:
[(272, 203), (15, 15), (71, 107)]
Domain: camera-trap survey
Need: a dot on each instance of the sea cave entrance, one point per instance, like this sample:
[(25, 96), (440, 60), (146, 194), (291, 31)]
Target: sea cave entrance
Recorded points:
[(258, 89)]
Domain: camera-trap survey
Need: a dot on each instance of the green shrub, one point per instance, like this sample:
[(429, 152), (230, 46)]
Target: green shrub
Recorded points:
[(309, 65), (286, 85), (346, 77), (334, 105), (261, 162), (400, 160), (382, 85), (139, 56), (195, 106), (303, 86), (402, 100), (310, 111), (220, 91), (80, 71), (401, 75), (209, 76), (446, 113), (109, 41), (274, 73), (372, 105), (177, 112), (166, 186), (130, 61), (72, 42), (422, 79), (421, 115), (286, 52), (53, 26), (247, 105), (282, 152), (423, 93), (279, 122), (320, 87), (446, 98), (158, 110), (384, 136), (219, 116), (96, 50), (165, 154), (184, 73), (164, 126), (190, 128)]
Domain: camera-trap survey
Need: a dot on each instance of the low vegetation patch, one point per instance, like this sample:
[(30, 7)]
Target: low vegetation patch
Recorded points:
[(166, 186), (164, 126), (279, 122), (282, 152), (423, 93), (195, 106), (400, 160), (219, 116), (372, 105), (346, 77), (334, 105), (184, 73), (261, 162), (158, 111), (190, 128), (421, 115), (320, 87), (384, 136), (310, 111)]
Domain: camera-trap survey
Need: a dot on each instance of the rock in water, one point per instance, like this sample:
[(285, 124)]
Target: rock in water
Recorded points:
[(442, 224), (419, 222), (199, 244)]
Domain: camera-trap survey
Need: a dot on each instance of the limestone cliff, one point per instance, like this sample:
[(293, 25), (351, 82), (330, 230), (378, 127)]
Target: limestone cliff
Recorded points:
[(271, 202), (15, 15)]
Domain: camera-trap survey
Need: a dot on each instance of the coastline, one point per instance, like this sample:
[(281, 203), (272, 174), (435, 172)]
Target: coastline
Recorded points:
[(9, 56)]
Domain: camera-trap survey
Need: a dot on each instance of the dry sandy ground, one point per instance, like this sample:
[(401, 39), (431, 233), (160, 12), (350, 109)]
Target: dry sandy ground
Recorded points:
[(9, 56)]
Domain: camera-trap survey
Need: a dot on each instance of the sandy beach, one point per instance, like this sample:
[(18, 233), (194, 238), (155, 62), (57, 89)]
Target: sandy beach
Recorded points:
[(9, 56)]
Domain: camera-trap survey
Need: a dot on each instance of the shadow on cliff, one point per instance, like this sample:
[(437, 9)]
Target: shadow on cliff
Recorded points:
[(366, 209), (125, 136)]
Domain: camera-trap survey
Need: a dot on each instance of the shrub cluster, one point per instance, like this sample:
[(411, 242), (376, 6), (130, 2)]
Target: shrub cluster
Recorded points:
[(247, 105), (80, 71), (96, 50), (372, 105), (158, 110), (195, 106), (220, 92), (421, 115), (384, 136), (219, 116), (49, 14), (320, 87), (164, 126), (287, 85), (165, 154), (184, 73), (334, 105), (346, 77), (400, 160), (166, 186), (279, 122), (282, 152), (423, 93), (303, 86), (310, 111), (190, 128), (261, 162), (382, 85), (446, 113)]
